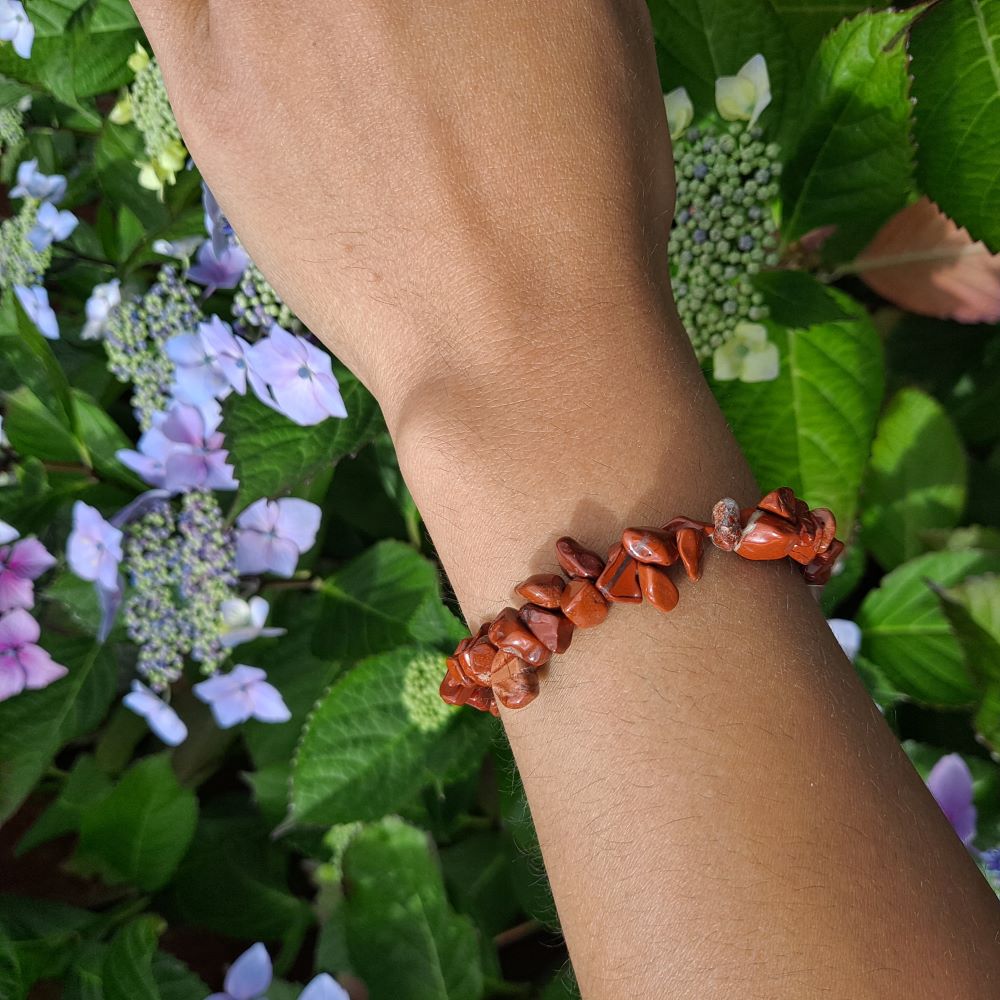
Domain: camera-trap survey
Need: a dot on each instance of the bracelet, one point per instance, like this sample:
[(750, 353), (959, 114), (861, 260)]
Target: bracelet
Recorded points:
[(500, 663)]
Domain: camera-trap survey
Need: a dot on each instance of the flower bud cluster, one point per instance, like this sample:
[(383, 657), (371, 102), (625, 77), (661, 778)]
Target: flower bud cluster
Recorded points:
[(724, 228), (20, 262), (11, 127), (207, 576), (137, 332), (181, 569), (153, 619), (256, 306), (147, 105)]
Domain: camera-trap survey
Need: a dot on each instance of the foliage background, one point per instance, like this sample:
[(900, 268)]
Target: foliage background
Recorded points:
[(376, 835)]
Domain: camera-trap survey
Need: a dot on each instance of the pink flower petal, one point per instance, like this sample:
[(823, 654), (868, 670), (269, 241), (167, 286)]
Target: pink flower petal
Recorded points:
[(922, 261)]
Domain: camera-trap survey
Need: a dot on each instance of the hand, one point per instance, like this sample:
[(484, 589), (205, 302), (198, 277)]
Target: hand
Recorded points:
[(430, 183)]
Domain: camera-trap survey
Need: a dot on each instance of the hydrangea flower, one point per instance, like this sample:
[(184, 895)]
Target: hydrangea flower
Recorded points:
[(240, 695), (724, 230), (248, 977), (950, 782), (848, 635), (324, 987), (94, 548), (51, 225), (35, 302), (23, 663), (748, 356), (218, 269), (217, 226), (243, 621), (257, 306), (744, 96), (16, 28), (32, 183), (103, 298), (299, 376), (181, 249), (208, 364), (148, 106), (160, 717), (136, 335), (183, 451), (272, 534), (20, 565), (680, 111), (207, 574)]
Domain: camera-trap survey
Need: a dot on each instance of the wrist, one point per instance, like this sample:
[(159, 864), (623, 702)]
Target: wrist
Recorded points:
[(505, 457)]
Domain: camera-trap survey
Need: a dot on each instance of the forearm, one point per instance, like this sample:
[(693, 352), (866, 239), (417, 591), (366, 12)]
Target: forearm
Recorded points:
[(720, 805)]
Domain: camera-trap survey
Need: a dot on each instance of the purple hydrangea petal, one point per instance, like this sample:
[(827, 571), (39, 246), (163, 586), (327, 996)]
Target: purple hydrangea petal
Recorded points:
[(219, 474), (15, 591), (298, 521), (16, 28), (324, 987), (18, 628), (218, 269), (35, 302), (12, 679), (261, 515), (30, 558), (147, 468), (162, 720), (950, 782), (250, 975), (268, 705), (109, 599), (40, 670)]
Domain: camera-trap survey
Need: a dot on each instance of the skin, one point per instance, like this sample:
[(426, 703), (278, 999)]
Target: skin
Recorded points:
[(469, 202)]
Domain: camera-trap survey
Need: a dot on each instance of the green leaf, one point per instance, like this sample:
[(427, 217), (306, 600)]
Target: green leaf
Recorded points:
[(916, 479), (35, 724), (50, 17), (275, 456), (973, 611), (478, 877), (234, 881), (956, 83), (905, 633), (175, 981), (128, 964), (797, 299), (388, 596), (850, 163), (363, 751), (36, 432), (86, 784), (31, 350), (956, 363), (140, 831), (405, 941), (701, 40), (103, 438), (811, 428), (38, 939)]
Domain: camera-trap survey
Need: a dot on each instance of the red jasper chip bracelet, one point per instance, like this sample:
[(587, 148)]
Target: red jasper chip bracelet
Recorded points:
[(500, 663)]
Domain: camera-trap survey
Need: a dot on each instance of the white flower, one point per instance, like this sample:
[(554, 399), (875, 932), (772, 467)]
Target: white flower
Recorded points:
[(244, 621), (748, 355), (102, 300), (680, 111), (743, 97), (848, 635)]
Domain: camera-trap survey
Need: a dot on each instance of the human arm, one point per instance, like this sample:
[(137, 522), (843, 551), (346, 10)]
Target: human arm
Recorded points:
[(470, 204)]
